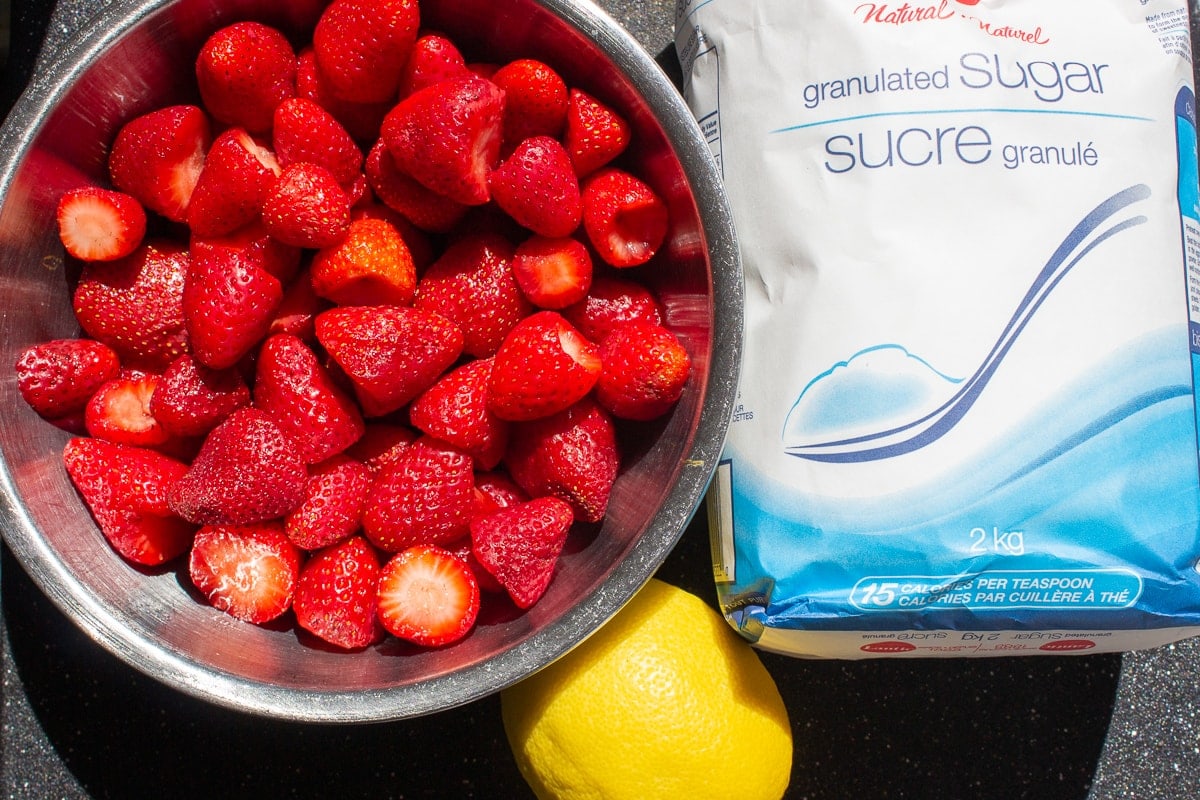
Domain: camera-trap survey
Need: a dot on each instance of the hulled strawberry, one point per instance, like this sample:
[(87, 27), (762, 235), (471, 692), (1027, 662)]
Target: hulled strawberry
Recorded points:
[(447, 136), (543, 367), (610, 303), (120, 412), (126, 489), (337, 595), (361, 120), (58, 377), (553, 273), (135, 304), (306, 132), (595, 134), (645, 371), (571, 455), (191, 399), (361, 46), (455, 410), (295, 391), (433, 58), (382, 443), (307, 207), (244, 71), (247, 471), (157, 157), (238, 173), (520, 545), (247, 571), (334, 497), (370, 266), (625, 220), (428, 596), (535, 100), (427, 496), (537, 187), (399, 191), (96, 224), (390, 353)]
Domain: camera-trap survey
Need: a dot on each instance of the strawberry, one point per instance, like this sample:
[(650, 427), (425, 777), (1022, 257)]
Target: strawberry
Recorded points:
[(125, 488), (432, 58), (293, 389), (543, 367), (244, 71), (495, 490), (595, 134), (229, 302), (361, 120), (382, 443), (306, 132), (157, 157), (448, 136), (520, 545), (645, 371), (472, 285), (119, 412), (427, 596), (135, 304), (370, 266), (190, 399), (361, 45), (307, 207), (247, 471), (332, 509), (625, 220), (390, 353), (461, 550), (612, 302), (420, 247), (455, 410), (337, 595), (553, 272), (427, 496), (299, 309), (571, 455), (56, 378), (535, 100), (97, 224), (253, 241), (238, 173), (537, 187), (247, 571), (423, 207)]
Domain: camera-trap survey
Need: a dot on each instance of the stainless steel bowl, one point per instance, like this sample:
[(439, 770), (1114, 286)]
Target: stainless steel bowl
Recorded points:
[(136, 56)]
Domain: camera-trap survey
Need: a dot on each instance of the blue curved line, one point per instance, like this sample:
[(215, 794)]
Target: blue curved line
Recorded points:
[(953, 409), (944, 111)]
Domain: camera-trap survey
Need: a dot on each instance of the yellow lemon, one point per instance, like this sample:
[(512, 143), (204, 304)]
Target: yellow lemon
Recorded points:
[(664, 701)]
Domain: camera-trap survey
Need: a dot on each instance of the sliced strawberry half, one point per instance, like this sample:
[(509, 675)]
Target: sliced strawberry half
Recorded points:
[(119, 412), (553, 272), (247, 571), (428, 596), (96, 224)]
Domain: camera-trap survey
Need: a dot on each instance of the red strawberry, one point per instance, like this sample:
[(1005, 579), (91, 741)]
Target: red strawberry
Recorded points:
[(625, 220), (612, 302), (125, 489), (247, 471), (361, 120), (307, 207), (426, 496), (238, 173), (553, 273), (299, 309), (595, 134), (462, 551), (157, 157), (472, 285), (418, 242), (455, 410), (535, 100), (361, 46), (247, 571), (645, 371), (243, 71), (135, 304), (423, 207), (279, 259), (432, 58), (496, 490), (334, 497), (571, 455), (97, 224), (382, 443), (370, 266), (190, 399), (543, 367), (337, 595), (229, 302), (447, 136), (537, 187), (306, 132), (520, 545), (119, 412), (428, 597), (293, 389), (390, 353), (56, 378)]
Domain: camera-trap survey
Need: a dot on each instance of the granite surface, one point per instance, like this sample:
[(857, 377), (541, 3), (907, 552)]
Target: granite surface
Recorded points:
[(78, 723)]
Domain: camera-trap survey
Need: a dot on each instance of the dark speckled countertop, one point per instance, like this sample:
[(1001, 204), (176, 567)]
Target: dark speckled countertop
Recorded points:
[(78, 723)]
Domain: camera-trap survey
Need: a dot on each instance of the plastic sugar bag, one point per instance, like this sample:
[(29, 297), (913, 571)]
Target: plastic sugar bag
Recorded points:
[(967, 420)]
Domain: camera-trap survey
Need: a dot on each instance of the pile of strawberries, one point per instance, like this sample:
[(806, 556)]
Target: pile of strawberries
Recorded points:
[(358, 330)]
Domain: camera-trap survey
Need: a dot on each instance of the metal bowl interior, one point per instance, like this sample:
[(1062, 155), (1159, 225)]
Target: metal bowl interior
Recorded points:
[(138, 56)]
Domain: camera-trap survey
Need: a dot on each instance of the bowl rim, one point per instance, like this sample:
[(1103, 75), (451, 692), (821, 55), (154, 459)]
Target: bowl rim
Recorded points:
[(100, 622)]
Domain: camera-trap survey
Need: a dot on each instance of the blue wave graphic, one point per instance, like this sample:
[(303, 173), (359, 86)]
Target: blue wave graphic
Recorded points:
[(921, 431)]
